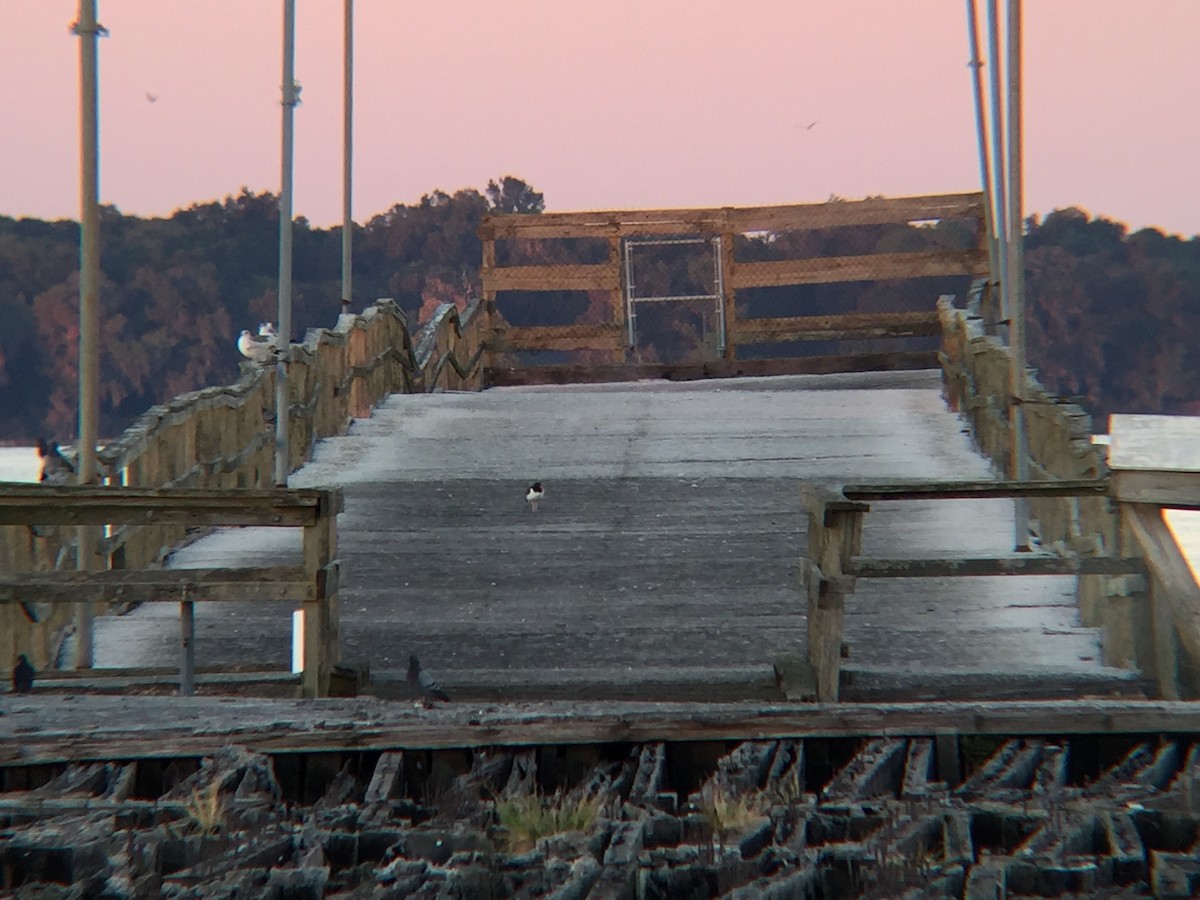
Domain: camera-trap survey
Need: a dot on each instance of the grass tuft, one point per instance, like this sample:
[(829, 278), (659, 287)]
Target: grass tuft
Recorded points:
[(535, 816), (205, 809), (733, 815)]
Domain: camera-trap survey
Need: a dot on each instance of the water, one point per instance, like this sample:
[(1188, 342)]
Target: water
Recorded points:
[(19, 464)]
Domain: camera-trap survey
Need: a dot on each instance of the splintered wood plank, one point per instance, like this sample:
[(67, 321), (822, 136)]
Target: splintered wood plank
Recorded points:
[(383, 780), (90, 728)]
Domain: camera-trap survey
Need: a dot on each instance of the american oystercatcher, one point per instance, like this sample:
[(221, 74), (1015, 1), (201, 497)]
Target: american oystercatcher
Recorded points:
[(534, 494)]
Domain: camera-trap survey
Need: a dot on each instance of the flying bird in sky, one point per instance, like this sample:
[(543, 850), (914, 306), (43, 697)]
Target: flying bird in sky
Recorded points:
[(424, 683), (535, 493)]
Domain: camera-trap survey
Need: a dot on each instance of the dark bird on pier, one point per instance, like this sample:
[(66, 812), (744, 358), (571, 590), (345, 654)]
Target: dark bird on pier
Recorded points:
[(534, 494), (424, 683), (55, 466), (22, 676)]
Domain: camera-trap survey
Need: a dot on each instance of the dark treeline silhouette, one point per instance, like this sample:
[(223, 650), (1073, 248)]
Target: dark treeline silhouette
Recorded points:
[(1112, 316)]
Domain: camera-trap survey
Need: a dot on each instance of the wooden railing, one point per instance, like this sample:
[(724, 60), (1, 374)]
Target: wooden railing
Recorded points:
[(722, 227), (222, 438), (313, 585), (1150, 585)]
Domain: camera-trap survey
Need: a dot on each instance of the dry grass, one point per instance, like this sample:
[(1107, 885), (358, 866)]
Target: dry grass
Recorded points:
[(205, 809), (733, 815), (530, 818)]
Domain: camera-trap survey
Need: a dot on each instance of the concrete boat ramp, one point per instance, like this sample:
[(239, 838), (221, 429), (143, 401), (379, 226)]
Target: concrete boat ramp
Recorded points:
[(662, 563)]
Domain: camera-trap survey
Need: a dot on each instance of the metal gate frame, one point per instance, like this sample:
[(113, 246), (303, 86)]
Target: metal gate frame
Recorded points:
[(631, 299)]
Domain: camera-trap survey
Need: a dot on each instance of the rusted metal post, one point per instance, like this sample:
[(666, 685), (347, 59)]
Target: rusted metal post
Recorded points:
[(88, 31), (347, 155), (284, 314)]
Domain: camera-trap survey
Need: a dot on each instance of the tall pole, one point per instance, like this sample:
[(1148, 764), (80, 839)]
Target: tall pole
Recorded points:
[(999, 183), (89, 301), (1016, 271), (347, 156), (985, 166), (284, 330)]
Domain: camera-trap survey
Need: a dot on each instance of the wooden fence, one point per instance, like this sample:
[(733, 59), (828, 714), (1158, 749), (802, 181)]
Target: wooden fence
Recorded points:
[(722, 227), (1155, 601), (223, 438), (312, 585)]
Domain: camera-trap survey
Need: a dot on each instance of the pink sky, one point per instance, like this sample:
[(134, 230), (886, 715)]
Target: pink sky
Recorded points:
[(626, 103)]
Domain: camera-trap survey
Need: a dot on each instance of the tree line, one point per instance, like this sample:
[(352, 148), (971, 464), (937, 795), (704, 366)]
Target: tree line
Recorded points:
[(1112, 316)]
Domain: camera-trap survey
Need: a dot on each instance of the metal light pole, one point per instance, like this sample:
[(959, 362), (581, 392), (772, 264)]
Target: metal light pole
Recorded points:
[(347, 155), (284, 315), (89, 301), (999, 191), (1016, 272), (985, 166)]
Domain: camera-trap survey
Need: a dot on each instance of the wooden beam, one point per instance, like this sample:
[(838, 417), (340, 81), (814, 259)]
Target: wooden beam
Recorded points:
[(1177, 490), (74, 505), (271, 583), (560, 337), (980, 490), (1181, 594), (1022, 564), (858, 326), (601, 277), (339, 728), (790, 217), (868, 267), (721, 368)]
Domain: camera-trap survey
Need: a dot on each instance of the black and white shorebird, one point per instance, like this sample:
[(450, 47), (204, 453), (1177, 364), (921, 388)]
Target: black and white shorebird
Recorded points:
[(258, 348), (22, 676), (424, 683), (55, 466), (535, 493)]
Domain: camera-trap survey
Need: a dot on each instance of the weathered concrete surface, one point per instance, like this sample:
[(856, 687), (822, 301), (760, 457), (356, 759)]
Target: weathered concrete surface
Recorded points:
[(662, 561)]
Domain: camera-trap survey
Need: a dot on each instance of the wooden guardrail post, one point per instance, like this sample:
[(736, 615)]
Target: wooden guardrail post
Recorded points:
[(322, 640), (834, 537)]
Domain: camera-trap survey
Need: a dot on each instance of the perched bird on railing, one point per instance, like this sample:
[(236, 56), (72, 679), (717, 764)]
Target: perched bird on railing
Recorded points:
[(424, 683), (258, 348), (22, 676), (535, 493), (55, 466)]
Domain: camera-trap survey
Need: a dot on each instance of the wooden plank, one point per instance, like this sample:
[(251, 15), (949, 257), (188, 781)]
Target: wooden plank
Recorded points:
[(573, 724), (1178, 490), (717, 368), (383, 780), (1020, 564), (829, 328), (604, 336), (1168, 566), (980, 490), (269, 583), (789, 217), (871, 267), (1152, 442), (73, 505), (601, 277)]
